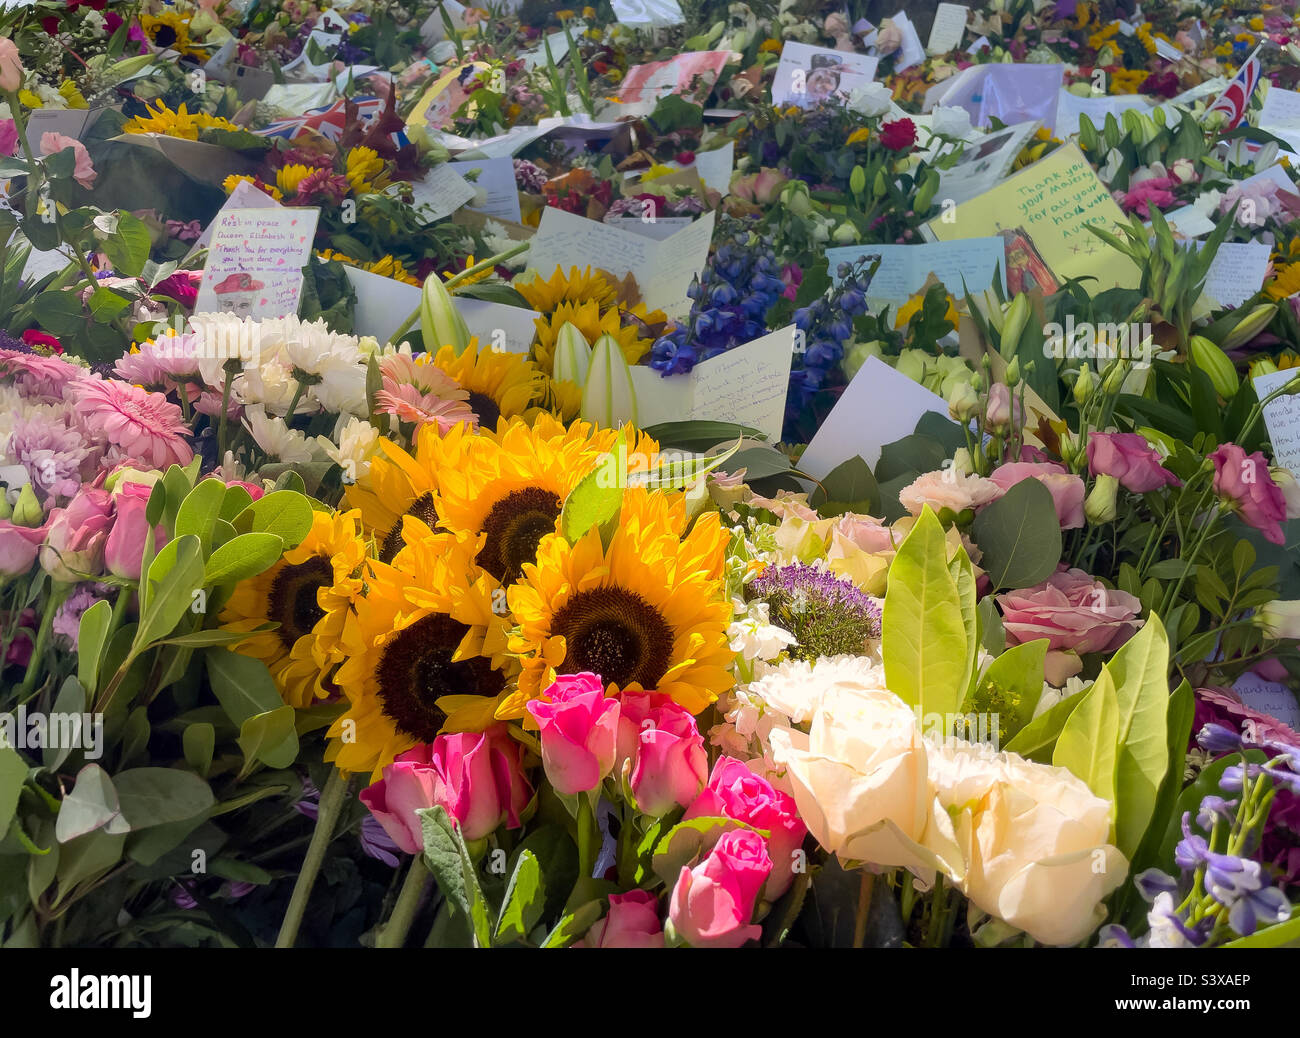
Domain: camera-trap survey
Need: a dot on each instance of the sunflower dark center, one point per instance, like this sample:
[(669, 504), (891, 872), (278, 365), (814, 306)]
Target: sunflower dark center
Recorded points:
[(293, 598), (417, 668), (164, 36), (514, 527), (486, 409), (423, 509), (615, 633)]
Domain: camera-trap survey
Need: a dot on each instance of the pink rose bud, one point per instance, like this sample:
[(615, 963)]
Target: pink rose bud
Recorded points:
[(1067, 489), (632, 922), (18, 547), (84, 170), (713, 903), (1131, 460), (74, 544), (1243, 481), (578, 730), (124, 550), (734, 791), (665, 750), (477, 777), (11, 66)]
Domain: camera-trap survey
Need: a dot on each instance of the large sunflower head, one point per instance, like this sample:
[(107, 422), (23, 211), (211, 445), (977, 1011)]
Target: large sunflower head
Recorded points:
[(425, 652), (546, 294), (308, 593), (648, 612), (512, 487), (500, 384)]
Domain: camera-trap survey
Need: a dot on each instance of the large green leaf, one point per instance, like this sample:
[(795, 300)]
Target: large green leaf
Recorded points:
[(850, 486), (156, 796), (92, 804), (128, 245), (91, 632), (242, 685), (281, 512), (13, 773), (174, 575), (199, 511), (1020, 536), (597, 499), (269, 737), (1087, 744), (449, 860), (1280, 935), (244, 556), (521, 909), (925, 647), (1141, 673), (963, 578)]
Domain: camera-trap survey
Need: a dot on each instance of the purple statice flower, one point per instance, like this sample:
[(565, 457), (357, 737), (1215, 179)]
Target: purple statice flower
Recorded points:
[(530, 177), (51, 452), (67, 620), (826, 613)]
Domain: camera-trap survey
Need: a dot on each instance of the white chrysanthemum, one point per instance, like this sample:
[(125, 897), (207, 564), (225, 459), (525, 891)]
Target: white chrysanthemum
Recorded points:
[(277, 439), (342, 388), (309, 346), (796, 688), (357, 441), (273, 386), (223, 337)]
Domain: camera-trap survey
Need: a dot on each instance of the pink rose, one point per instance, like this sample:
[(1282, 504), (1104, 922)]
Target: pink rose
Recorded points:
[(579, 732), (948, 488), (761, 187), (1131, 460), (713, 903), (477, 777), (74, 543), (864, 533), (1075, 612), (632, 922), (84, 172), (1243, 481), (11, 65), (18, 547), (734, 791), (664, 752), (1066, 488), (124, 550)]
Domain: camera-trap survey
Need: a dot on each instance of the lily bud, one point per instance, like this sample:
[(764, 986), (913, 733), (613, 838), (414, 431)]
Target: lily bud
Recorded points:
[(27, 510), (1013, 325), (1249, 326), (1084, 386), (1215, 363), (845, 234), (858, 180), (1101, 504), (1013, 372), (572, 355), (440, 322), (608, 397), (1280, 619)]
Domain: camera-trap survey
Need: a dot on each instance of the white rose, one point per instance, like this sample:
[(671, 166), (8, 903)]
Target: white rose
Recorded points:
[(871, 99), (1034, 838), (951, 122)]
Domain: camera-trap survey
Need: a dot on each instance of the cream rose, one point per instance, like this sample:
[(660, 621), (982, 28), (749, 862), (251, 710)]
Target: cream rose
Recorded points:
[(1034, 838)]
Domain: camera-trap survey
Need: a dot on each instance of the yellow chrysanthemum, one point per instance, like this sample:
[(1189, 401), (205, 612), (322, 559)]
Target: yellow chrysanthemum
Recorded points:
[(28, 99), (500, 385), (287, 178), (308, 593), (589, 319), (69, 92), (366, 170), (545, 295), (1285, 283), (648, 613), (425, 652), (771, 45)]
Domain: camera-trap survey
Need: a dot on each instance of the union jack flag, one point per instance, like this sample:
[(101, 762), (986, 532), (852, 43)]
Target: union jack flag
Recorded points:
[(1235, 99), (328, 121)]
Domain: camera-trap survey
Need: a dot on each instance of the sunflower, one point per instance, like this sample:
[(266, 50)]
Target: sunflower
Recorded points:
[(180, 123), (546, 295), (1285, 283), (170, 30), (235, 179), (308, 593), (366, 171), (512, 487), (647, 613), (500, 384), (287, 178), (589, 319), (425, 652)]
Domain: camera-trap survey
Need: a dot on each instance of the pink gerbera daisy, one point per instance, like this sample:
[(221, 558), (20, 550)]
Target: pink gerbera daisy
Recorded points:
[(144, 426), (407, 403), (37, 376)]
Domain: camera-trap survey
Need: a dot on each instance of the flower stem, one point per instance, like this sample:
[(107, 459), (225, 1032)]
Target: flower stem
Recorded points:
[(864, 908), (332, 799), (588, 833), (58, 592), (451, 282), (393, 933)]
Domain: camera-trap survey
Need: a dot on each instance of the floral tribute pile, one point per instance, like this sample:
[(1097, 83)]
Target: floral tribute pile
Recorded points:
[(490, 593)]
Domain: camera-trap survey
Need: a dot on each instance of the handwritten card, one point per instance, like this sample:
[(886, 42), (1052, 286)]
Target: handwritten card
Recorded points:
[(746, 385), (1237, 272), (663, 269), (442, 191), (878, 407), (1280, 115), (808, 76), (1070, 107), (1043, 213), (496, 177), (255, 261), (904, 269), (498, 326), (948, 28), (984, 162), (71, 122), (645, 14), (658, 229), (1269, 697), (1281, 418)]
